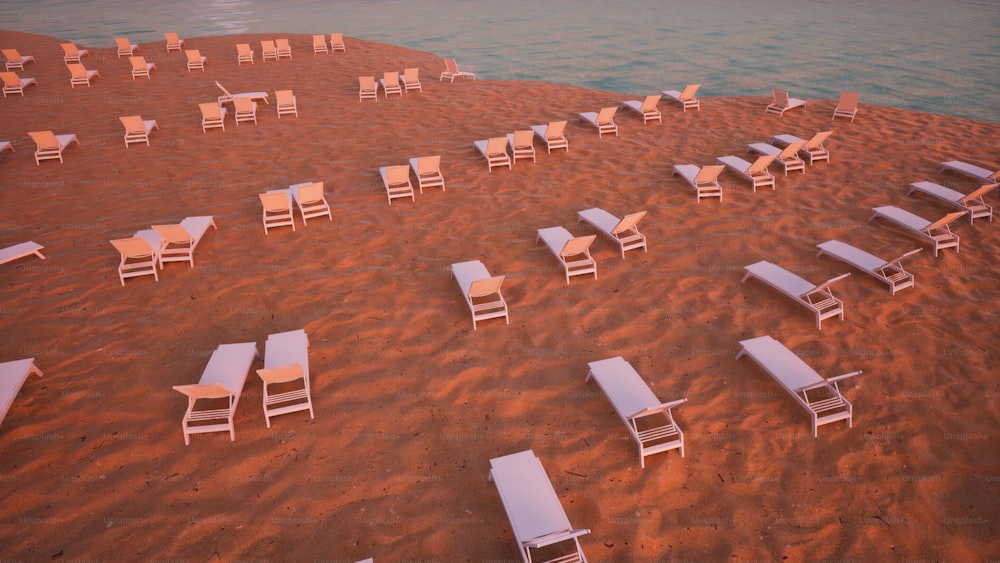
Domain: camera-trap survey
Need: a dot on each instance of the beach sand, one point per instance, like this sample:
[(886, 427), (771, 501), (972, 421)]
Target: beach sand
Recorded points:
[(411, 403)]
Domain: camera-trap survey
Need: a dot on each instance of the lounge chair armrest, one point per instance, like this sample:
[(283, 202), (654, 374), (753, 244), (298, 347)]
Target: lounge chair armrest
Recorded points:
[(658, 408), (555, 537)]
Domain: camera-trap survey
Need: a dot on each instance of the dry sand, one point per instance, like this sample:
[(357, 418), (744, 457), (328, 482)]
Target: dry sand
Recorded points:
[(411, 403)]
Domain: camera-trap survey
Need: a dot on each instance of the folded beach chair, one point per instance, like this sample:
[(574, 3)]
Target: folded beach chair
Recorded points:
[(195, 59), (72, 54), (553, 135), (310, 200), (21, 250), (125, 47), (14, 84), (390, 83), (813, 150), (282, 48), (624, 231), (137, 129), (397, 182), (80, 75), (787, 157), (245, 110), (277, 206), (757, 172), (522, 144), (826, 404), (890, 272), (603, 120), (285, 102), (227, 97), (686, 98), (212, 115), (244, 54), (780, 103), (817, 298), (572, 252), (973, 203), (13, 374), (16, 60), (451, 71), (319, 45), (268, 50), (977, 172), (494, 150), (704, 179), (140, 67), (368, 91), (337, 42), (481, 291), (646, 107), (938, 232), (179, 240), (222, 380), (535, 513), (649, 421), (847, 106), (49, 146), (138, 258), (286, 361), (428, 171), (174, 43), (411, 79)]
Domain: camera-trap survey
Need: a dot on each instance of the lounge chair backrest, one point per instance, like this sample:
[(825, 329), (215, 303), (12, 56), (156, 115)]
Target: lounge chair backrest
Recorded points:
[(450, 66), (336, 38), (138, 63), (10, 79), (817, 139), (848, 101), (210, 110), (411, 75), (760, 165), (243, 105), (123, 43), (223, 88), (367, 82), (397, 175), (171, 37), (44, 139), (649, 104), (779, 98), (828, 282), (709, 174), (275, 201), (11, 55), (284, 97), (496, 146), (523, 138), (791, 150), (69, 49), (193, 55), (319, 41), (944, 221), (267, 46), (983, 190), (689, 91), (489, 286), (428, 165), (391, 77), (606, 115), (555, 129), (133, 124), (628, 222), (577, 245), (77, 70), (310, 193)]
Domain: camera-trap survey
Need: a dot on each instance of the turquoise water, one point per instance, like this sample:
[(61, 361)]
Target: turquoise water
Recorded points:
[(939, 56)]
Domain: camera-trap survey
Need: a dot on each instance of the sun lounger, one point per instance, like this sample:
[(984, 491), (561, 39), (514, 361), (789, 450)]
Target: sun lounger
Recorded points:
[(451, 72), (50, 146), (245, 109), (140, 67), (624, 231), (553, 135), (138, 258), (319, 45), (757, 172), (938, 232), (704, 179), (411, 79), (195, 59), (268, 50), (78, 74), (686, 98), (799, 379), (780, 103), (368, 90), (890, 272), (222, 379), (603, 120), (397, 182), (125, 47), (213, 116), (521, 144), (494, 150), (179, 240), (21, 250), (572, 252), (16, 60), (817, 298), (174, 43), (973, 203), (787, 157), (137, 129), (72, 54), (847, 106), (337, 42), (310, 200), (286, 361), (244, 54), (481, 291), (14, 84), (282, 49), (535, 513), (428, 172), (254, 96), (813, 150), (390, 83), (13, 374), (638, 407), (285, 103), (977, 172), (646, 107), (277, 206)]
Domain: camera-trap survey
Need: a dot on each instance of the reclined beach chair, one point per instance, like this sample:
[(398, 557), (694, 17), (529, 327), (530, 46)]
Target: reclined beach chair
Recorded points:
[(268, 50), (13, 374), (780, 103), (603, 120), (244, 54), (787, 157), (212, 115), (282, 49), (572, 252), (137, 129), (971, 170), (481, 291), (179, 240), (428, 171), (50, 146), (277, 209), (757, 172), (847, 106), (553, 135), (15, 60), (368, 89), (799, 380), (535, 513), (522, 144), (21, 250), (245, 109), (624, 232), (14, 84), (397, 182), (174, 43), (285, 103), (337, 42), (937, 232), (286, 361), (973, 204), (638, 407), (80, 75), (138, 258), (817, 298), (813, 150), (646, 107), (223, 379), (704, 179), (140, 67), (310, 200), (72, 54), (494, 150), (890, 272), (227, 97), (125, 47), (390, 83), (686, 98), (411, 79), (451, 71), (319, 45), (195, 59)]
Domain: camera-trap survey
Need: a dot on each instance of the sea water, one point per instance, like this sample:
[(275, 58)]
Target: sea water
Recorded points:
[(938, 56)]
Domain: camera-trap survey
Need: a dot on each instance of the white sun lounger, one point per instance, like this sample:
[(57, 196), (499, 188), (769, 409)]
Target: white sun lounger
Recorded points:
[(757, 172), (977, 172), (634, 401), (799, 379), (286, 360), (817, 298), (138, 255), (603, 120), (494, 150), (397, 182), (781, 102), (13, 374), (890, 272), (623, 231), (973, 203), (572, 253), (686, 98), (553, 135), (21, 250), (535, 513), (813, 150), (787, 157), (253, 96), (223, 378), (704, 179), (481, 291), (177, 242), (277, 209), (645, 107), (938, 232)]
